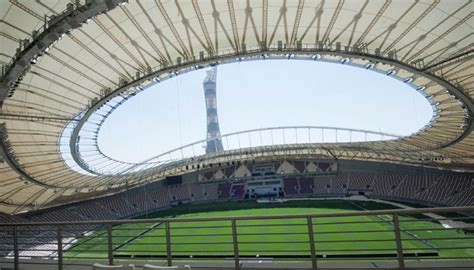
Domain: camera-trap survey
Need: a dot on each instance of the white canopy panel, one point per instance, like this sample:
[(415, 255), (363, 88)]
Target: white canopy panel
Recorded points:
[(76, 50)]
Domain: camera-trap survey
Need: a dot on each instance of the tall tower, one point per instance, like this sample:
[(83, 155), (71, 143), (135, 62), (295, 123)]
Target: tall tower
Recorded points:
[(214, 143)]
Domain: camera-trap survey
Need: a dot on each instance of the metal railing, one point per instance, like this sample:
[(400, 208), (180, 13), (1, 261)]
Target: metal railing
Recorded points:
[(269, 136), (398, 236)]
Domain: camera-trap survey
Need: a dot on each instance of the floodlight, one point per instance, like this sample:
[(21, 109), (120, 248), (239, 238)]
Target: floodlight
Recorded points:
[(421, 88), (391, 72), (370, 66)]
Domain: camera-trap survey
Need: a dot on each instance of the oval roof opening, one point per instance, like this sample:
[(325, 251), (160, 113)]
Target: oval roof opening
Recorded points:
[(259, 95)]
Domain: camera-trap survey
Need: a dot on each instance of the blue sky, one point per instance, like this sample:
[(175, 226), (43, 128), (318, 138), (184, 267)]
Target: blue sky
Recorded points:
[(261, 94)]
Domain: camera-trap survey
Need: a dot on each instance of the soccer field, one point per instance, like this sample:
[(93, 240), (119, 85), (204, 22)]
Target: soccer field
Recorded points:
[(274, 238)]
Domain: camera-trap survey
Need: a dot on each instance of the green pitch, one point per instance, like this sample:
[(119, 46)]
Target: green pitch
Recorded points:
[(279, 237)]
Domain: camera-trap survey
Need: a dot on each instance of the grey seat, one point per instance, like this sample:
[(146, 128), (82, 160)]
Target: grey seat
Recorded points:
[(154, 267), (98, 266)]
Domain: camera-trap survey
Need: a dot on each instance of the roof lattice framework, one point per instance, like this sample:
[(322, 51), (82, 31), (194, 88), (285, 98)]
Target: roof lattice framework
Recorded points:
[(83, 52)]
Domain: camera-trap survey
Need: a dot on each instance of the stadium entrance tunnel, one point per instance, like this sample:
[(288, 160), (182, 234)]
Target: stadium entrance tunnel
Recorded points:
[(81, 145)]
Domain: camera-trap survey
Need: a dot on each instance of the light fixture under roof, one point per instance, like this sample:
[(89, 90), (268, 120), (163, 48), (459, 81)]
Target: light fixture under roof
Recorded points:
[(370, 66), (391, 72), (408, 80), (345, 60), (421, 88), (316, 57)]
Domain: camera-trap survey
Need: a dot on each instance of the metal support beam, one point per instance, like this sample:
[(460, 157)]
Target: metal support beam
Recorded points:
[(16, 253), (452, 59), (7, 154), (309, 221), (33, 117), (110, 248), (68, 20), (398, 240), (236, 244), (169, 257), (59, 237)]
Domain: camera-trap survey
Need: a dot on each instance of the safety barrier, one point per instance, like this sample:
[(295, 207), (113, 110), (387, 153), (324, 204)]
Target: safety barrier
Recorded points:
[(402, 235)]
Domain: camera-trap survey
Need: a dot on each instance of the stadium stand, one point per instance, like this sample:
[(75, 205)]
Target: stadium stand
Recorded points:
[(339, 183), (360, 181), (223, 190), (436, 187), (306, 185), (290, 186), (322, 185), (210, 191), (384, 183), (179, 192), (196, 192), (237, 191), (160, 198)]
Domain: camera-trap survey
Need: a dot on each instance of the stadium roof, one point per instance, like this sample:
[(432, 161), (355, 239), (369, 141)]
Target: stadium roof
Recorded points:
[(63, 61)]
